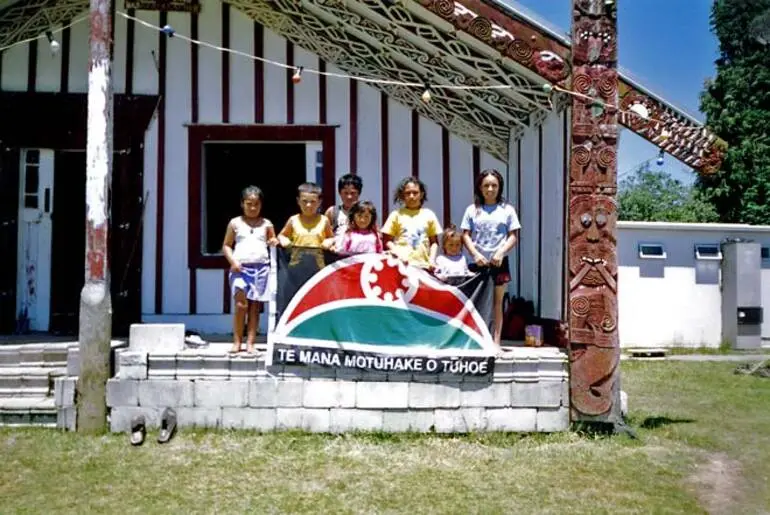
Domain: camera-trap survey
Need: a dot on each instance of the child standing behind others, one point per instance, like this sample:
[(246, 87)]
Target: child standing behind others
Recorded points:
[(411, 232), (361, 235), (349, 187), (451, 263), (245, 248), (489, 231)]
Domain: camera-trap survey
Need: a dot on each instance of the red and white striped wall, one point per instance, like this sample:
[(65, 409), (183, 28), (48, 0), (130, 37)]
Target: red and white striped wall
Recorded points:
[(378, 138)]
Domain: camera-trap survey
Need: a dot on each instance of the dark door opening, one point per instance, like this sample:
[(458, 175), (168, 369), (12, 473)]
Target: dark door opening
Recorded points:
[(67, 240), (276, 168)]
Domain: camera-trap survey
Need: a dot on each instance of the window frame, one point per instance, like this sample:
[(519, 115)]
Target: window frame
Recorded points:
[(642, 255), (198, 134), (764, 253), (700, 257)]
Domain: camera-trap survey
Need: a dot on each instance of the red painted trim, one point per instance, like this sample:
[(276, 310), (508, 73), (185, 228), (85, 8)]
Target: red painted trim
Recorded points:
[(130, 36), (32, 66), (518, 208), (225, 63), (64, 77), (415, 144), (385, 155), (194, 114), (322, 109), (194, 73), (289, 83), (161, 166), (476, 164), (445, 176), (353, 126), (198, 134), (540, 219), (259, 74)]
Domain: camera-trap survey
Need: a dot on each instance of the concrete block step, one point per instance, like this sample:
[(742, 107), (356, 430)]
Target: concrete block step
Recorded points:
[(38, 354), (28, 411), (28, 381)]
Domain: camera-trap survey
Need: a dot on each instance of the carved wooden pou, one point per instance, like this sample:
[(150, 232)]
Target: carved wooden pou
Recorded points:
[(593, 307)]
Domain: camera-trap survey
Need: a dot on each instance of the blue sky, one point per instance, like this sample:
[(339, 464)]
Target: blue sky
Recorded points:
[(667, 46)]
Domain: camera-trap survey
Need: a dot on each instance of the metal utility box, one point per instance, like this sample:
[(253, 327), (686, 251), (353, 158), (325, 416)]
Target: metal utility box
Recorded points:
[(742, 294)]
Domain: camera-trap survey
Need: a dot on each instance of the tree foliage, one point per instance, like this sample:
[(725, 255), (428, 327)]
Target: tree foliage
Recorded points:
[(737, 108), (654, 196)]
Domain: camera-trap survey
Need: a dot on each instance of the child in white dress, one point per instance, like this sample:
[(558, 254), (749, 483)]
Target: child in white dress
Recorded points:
[(245, 248), (451, 263)]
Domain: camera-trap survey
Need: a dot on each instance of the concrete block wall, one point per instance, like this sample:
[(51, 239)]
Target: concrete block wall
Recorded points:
[(525, 394)]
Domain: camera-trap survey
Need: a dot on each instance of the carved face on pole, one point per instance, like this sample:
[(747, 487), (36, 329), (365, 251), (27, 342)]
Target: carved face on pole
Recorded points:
[(592, 238)]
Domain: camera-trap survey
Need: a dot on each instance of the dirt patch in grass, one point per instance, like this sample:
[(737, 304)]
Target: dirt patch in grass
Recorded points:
[(718, 483)]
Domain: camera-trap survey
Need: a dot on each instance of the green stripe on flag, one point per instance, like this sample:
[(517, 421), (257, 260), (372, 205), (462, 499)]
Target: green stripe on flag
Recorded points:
[(379, 325)]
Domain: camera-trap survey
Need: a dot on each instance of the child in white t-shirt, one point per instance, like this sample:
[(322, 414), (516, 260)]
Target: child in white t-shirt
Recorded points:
[(451, 263)]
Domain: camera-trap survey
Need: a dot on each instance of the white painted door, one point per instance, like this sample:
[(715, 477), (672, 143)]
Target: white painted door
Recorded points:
[(34, 251)]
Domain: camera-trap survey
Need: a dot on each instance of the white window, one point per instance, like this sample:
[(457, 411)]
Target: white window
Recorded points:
[(652, 251), (708, 251)]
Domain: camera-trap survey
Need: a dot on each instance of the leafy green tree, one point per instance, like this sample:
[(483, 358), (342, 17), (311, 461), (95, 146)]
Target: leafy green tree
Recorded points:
[(654, 196), (737, 108)]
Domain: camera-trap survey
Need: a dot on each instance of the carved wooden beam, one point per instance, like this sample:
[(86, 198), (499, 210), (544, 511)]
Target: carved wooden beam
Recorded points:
[(536, 51), (592, 254)]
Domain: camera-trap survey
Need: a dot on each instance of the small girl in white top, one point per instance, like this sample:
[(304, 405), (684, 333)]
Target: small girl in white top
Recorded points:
[(451, 263), (245, 247)]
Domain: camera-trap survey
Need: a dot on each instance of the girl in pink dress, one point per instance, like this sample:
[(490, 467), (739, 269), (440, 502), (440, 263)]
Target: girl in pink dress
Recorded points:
[(361, 236)]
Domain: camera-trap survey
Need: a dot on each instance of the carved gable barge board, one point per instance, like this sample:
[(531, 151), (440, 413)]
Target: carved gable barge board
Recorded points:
[(355, 57), (185, 6), (477, 61), (32, 18), (424, 62), (537, 50)]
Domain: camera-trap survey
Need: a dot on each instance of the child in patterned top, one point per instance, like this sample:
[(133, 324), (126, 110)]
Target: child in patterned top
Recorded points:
[(245, 248), (411, 232), (361, 235), (452, 262), (489, 233)]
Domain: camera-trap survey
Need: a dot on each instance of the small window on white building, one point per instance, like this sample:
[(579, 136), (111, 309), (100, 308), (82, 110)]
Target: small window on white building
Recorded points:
[(765, 253), (652, 251), (708, 251)]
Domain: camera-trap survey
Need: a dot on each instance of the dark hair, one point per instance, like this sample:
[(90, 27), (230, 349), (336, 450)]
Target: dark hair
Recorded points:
[(359, 207), (398, 197), (450, 232), (478, 197), (350, 179), (252, 190), (309, 187)]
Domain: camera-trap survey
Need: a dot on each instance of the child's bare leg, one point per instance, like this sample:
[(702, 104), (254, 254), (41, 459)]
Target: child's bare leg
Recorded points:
[(241, 307), (251, 328), (498, 310)]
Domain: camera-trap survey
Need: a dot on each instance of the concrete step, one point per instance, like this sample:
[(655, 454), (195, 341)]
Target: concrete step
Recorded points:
[(28, 411), (37, 354), (28, 381)]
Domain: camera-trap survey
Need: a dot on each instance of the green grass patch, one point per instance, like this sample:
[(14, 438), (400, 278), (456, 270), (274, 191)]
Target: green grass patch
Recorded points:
[(690, 418)]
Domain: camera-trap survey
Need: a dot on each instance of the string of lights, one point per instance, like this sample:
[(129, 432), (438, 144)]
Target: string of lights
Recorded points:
[(637, 110)]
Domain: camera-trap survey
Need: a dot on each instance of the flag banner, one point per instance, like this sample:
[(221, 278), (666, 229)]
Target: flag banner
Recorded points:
[(374, 312)]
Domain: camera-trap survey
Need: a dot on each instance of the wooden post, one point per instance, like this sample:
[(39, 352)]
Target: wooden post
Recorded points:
[(95, 304), (593, 270)]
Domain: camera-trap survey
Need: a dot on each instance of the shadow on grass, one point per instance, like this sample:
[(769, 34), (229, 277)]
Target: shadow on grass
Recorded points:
[(656, 422)]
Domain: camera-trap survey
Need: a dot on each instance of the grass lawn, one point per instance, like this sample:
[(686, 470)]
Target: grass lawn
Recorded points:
[(704, 446)]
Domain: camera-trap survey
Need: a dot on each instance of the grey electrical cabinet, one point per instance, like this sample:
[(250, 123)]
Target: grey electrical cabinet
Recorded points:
[(742, 294)]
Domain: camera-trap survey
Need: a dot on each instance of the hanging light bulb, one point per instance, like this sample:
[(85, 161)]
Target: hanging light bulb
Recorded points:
[(52, 43), (168, 30), (297, 77), (426, 96), (659, 161)]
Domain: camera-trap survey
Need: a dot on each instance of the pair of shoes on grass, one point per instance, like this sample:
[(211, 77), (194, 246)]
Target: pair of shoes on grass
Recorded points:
[(167, 427)]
